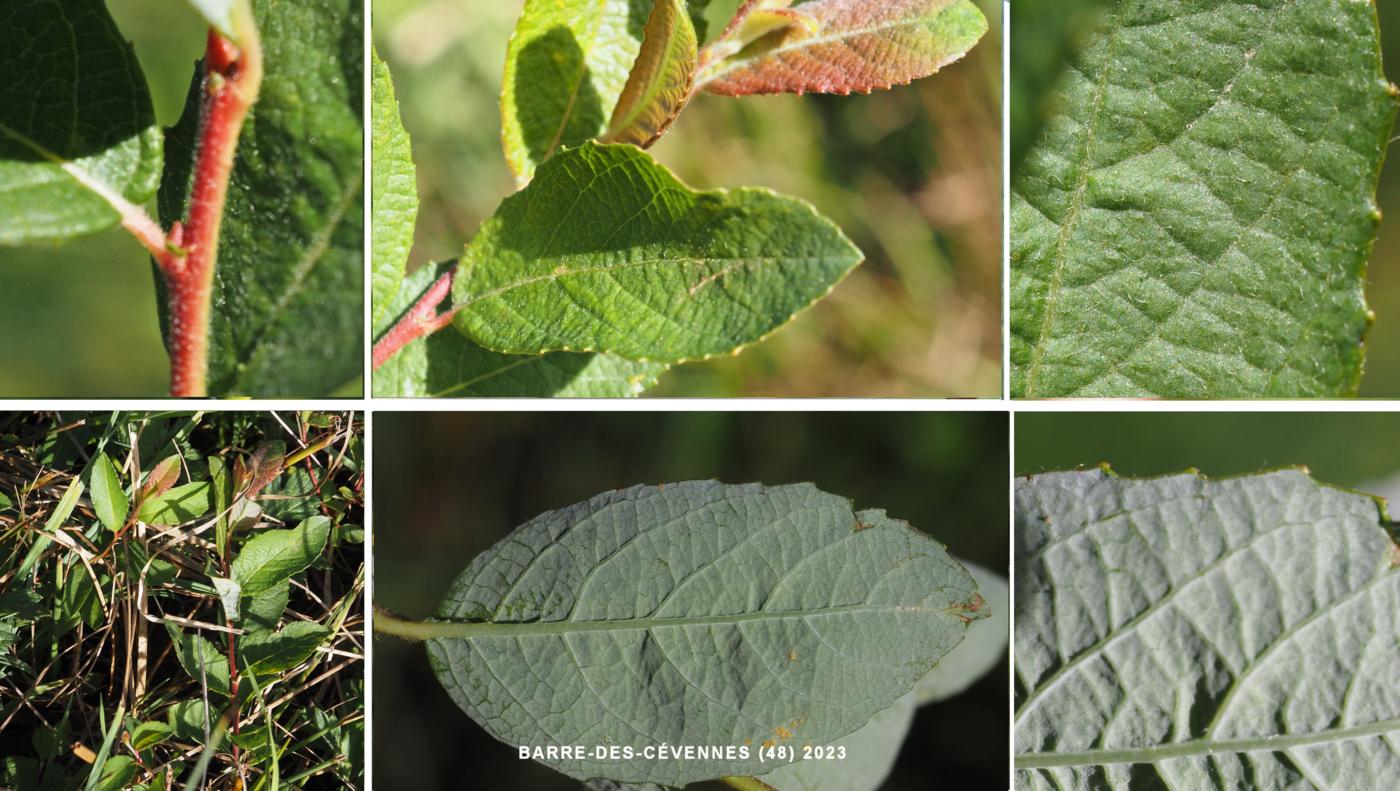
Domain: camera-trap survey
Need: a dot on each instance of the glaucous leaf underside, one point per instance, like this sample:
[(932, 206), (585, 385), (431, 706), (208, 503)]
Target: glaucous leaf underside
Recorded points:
[(1182, 632), (288, 316), (1195, 218), (698, 613), (76, 123), (607, 251)]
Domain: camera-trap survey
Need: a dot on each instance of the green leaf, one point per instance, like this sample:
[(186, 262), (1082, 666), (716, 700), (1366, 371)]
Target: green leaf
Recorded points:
[(179, 505), (149, 734), (869, 756), (393, 193), (1195, 220), (294, 496), (983, 648), (661, 79), (607, 251), (275, 555), (1181, 632), (76, 126), (117, 772), (627, 605), (264, 610), (566, 66), (840, 46), (221, 500), (201, 659), (105, 488), (1044, 33), (289, 286), (446, 364), (269, 653)]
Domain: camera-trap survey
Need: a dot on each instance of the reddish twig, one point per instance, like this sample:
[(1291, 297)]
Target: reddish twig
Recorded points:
[(233, 75), (422, 319)]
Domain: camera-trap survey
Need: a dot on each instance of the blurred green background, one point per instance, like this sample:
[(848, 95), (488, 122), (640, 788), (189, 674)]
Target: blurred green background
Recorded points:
[(79, 319), (1382, 377), (912, 175), (447, 486), (1355, 450)]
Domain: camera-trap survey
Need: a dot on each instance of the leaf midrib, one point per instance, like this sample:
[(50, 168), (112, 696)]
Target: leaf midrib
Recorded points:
[(1200, 747), (482, 629)]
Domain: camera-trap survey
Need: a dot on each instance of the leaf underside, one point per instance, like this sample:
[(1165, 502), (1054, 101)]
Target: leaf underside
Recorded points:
[(566, 66), (661, 79), (1195, 219), (447, 365), (698, 613), (1181, 632), (75, 121), (393, 193), (850, 45), (288, 316), (607, 251)]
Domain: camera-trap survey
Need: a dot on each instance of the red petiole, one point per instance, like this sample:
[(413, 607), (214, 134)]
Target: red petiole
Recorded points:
[(422, 319)]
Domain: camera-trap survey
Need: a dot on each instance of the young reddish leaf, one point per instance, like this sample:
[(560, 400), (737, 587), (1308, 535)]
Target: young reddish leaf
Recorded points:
[(161, 478), (263, 466), (840, 46), (660, 82)]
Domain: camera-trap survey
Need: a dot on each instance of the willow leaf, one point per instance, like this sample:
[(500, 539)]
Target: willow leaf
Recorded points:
[(1194, 220), (840, 46), (1181, 632), (607, 251), (697, 613), (661, 79)]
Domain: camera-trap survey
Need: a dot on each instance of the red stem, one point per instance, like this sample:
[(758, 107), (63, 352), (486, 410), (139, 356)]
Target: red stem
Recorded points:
[(422, 319), (232, 78)]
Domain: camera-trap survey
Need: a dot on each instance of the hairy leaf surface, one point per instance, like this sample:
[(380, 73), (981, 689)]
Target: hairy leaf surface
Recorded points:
[(840, 46), (660, 82), (566, 66), (608, 251), (76, 124), (289, 286), (447, 365), (1181, 632), (393, 193), (1195, 220), (698, 613)]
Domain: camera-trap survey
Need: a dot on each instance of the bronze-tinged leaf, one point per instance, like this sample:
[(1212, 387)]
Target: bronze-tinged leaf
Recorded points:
[(161, 478), (841, 46), (661, 79), (263, 467)]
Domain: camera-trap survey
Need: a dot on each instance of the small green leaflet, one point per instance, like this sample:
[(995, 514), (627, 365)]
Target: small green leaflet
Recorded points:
[(1195, 218), (608, 251), (566, 66), (105, 488), (77, 131), (447, 365), (1182, 632), (589, 620), (177, 506), (273, 556)]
